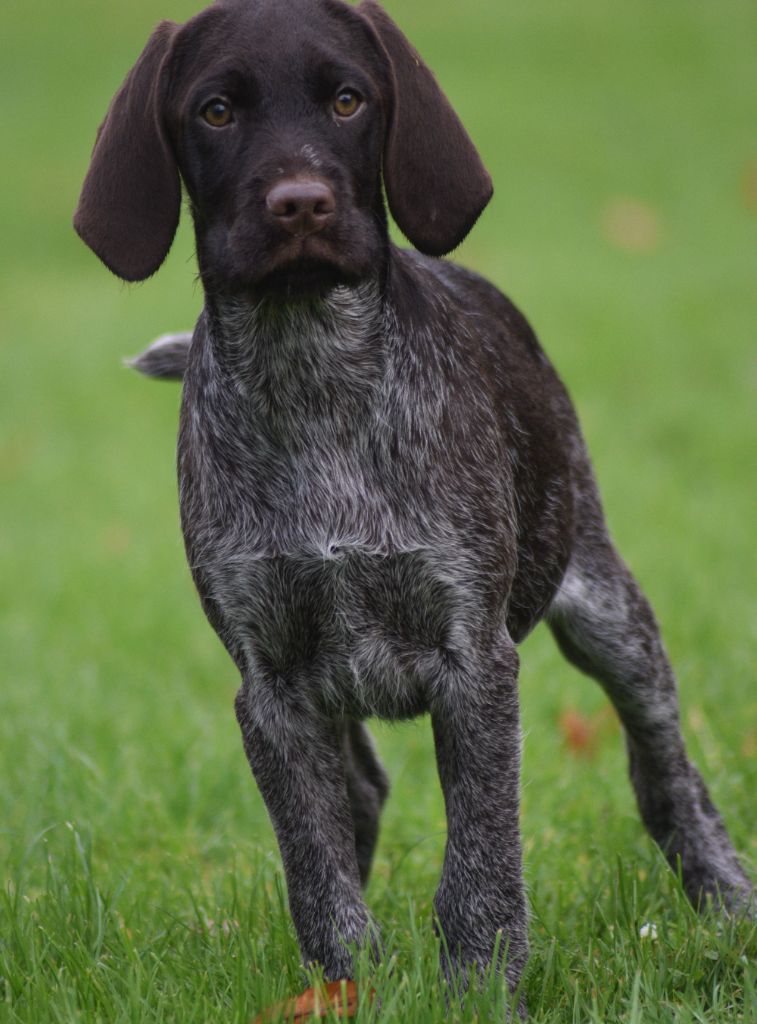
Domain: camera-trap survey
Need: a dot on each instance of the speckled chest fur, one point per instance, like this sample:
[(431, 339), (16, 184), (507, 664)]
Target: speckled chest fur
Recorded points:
[(350, 532)]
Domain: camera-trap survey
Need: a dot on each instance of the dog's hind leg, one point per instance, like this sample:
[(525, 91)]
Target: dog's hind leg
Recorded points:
[(367, 788), (605, 626)]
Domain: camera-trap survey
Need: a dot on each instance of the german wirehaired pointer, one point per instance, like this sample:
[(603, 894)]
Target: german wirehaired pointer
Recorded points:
[(383, 484)]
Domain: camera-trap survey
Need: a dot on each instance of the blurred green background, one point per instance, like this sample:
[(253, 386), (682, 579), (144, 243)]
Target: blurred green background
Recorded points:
[(621, 139)]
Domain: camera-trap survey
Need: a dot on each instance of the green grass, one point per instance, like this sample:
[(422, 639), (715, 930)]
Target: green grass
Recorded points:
[(141, 877)]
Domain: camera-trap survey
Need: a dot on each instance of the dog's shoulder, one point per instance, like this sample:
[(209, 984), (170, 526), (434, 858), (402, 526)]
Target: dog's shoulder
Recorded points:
[(463, 311), (430, 289)]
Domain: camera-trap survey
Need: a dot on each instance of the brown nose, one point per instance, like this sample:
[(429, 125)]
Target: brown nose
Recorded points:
[(301, 206)]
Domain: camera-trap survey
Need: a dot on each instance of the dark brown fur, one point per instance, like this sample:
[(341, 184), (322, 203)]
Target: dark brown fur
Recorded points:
[(383, 483)]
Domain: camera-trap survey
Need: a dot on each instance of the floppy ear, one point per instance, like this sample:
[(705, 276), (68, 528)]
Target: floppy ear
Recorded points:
[(435, 181), (130, 202)]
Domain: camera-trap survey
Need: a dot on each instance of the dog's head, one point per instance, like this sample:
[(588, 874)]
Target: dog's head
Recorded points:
[(280, 118)]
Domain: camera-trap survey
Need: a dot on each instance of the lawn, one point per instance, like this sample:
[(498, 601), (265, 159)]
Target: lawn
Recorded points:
[(141, 880)]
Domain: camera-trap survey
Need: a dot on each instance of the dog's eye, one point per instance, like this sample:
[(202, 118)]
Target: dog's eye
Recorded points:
[(217, 113), (347, 102)]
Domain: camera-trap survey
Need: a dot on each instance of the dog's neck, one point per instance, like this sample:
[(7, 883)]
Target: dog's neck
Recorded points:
[(302, 365)]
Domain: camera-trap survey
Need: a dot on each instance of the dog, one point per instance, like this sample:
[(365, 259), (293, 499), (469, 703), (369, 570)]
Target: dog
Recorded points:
[(383, 484)]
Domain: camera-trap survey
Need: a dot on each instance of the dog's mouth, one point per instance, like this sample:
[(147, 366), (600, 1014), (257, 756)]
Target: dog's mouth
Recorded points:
[(310, 265), (303, 277), (264, 265)]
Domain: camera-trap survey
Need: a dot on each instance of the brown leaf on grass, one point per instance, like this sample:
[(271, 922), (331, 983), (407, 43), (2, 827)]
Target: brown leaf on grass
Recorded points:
[(341, 997), (582, 733), (749, 186), (116, 539), (15, 454), (632, 225)]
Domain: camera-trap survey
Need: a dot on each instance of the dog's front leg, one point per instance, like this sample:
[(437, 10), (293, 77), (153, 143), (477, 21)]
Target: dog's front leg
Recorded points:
[(480, 901), (295, 756)]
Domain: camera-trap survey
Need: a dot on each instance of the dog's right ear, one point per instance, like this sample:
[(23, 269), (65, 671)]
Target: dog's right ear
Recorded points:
[(130, 202)]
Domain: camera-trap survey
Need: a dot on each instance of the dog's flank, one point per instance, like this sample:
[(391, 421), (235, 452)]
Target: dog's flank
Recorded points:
[(383, 485)]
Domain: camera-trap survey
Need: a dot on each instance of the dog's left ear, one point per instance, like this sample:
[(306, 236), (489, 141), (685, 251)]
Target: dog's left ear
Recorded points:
[(130, 202), (435, 181)]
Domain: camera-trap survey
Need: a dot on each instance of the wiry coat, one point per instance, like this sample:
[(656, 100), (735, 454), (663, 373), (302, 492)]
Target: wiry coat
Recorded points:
[(383, 484)]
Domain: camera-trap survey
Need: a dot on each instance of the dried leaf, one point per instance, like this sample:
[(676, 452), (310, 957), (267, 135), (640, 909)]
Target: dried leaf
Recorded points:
[(116, 539), (632, 225), (576, 730), (749, 746), (749, 186), (582, 733), (341, 997)]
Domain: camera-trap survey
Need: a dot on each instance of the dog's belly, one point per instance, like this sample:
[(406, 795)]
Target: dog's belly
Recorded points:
[(355, 632)]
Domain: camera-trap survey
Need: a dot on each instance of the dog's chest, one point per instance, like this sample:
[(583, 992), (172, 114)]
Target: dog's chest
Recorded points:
[(358, 632), (330, 581), (322, 539)]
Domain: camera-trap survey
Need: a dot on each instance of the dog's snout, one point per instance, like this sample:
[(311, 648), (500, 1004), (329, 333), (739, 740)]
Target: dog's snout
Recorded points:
[(301, 206)]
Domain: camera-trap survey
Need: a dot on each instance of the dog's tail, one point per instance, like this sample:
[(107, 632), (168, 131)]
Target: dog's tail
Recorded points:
[(166, 358)]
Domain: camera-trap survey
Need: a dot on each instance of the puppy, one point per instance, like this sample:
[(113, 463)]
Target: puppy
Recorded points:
[(383, 484)]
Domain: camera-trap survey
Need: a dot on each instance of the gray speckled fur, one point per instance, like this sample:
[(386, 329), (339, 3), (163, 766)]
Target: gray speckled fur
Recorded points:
[(356, 542), (383, 484), (341, 566)]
